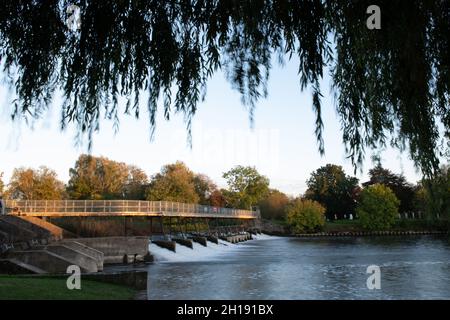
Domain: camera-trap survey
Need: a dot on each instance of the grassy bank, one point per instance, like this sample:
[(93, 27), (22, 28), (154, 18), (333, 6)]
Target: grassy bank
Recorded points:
[(51, 288), (273, 226), (400, 225)]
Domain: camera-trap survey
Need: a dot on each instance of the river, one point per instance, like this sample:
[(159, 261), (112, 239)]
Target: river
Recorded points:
[(413, 267)]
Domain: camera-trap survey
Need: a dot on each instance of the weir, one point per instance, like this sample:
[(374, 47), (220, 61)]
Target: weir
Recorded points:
[(31, 243)]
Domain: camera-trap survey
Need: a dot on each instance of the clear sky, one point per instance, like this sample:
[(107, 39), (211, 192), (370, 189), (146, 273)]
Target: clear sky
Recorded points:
[(281, 143)]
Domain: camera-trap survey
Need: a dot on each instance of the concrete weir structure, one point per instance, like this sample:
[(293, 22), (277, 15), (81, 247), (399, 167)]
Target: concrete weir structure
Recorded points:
[(37, 246), (90, 254), (31, 244), (172, 242), (119, 249)]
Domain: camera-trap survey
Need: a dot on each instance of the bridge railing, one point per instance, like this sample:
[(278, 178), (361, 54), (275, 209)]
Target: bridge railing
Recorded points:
[(111, 207)]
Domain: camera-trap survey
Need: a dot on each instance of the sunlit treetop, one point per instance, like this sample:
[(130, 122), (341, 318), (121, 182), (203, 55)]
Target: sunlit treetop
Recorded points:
[(391, 84)]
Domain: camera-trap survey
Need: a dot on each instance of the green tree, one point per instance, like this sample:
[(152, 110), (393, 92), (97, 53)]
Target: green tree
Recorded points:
[(378, 207), (435, 195), (392, 83), (204, 187), (246, 187), (175, 182), (336, 191), (32, 184), (403, 190), (136, 185), (303, 215), (273, 205), (97, 178), (420, 203)]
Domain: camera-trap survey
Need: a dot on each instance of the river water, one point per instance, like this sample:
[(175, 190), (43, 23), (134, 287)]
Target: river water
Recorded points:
[(413, 267)]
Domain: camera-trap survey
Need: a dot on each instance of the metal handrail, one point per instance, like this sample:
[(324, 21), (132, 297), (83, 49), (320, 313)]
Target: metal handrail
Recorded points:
[(106, 207)]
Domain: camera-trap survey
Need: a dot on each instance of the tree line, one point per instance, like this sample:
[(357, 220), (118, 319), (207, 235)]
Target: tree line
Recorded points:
[(331, 193), (377, 203), (100, 178)]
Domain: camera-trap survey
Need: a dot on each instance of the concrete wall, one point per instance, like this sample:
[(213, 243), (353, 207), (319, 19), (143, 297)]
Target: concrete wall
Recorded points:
[(14, 266), (97, 255), (27, 225), (54, 230), (237, 238), (200, 240), (42, 259), (115, 248), (15, 232), (85, 262)]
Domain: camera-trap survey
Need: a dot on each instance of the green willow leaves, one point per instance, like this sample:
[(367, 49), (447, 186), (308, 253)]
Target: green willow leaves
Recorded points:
[(391, 85)]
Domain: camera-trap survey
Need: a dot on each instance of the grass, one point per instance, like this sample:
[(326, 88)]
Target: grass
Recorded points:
[(54, 288), (342, 226)]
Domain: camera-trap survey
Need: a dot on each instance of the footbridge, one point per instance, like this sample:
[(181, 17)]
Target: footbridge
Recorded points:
[(127, 208), (35, 238)]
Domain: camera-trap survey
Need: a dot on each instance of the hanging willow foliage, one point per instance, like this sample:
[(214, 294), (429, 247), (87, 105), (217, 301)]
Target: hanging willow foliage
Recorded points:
[(391, 85)]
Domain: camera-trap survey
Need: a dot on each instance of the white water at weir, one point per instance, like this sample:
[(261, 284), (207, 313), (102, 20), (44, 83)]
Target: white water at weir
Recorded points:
[(200, 253)]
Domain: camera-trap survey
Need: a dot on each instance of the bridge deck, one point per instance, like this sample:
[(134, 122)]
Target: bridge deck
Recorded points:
[(109, 208)]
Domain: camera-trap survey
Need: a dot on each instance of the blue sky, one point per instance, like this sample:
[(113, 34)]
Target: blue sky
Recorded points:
[(281, 144)]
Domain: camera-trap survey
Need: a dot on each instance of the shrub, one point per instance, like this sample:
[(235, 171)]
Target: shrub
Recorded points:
[(305, 215), (378, 207)]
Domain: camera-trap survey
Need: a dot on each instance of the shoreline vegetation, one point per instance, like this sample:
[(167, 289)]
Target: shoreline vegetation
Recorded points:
[(354, 228)]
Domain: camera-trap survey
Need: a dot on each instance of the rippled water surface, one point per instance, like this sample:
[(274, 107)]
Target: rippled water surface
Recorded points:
[(293, 268)]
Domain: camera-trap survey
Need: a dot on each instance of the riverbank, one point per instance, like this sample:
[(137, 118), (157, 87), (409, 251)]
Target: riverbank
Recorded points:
[(353, 228), (13, 287)]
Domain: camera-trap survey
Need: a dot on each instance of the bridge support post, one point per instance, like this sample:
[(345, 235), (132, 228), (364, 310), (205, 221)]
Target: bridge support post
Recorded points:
[(185, 227), (170, 226), (197, 230), (208, 230), (151, 227), (182, 227), (161, 225), (79, 226)]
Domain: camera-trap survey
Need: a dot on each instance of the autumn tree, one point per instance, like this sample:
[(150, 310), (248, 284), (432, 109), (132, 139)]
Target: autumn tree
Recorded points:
[(246, 187), (335, 190), (273, 205), (98, 178), (35, 184), (391, 85), (217, 198), (136, 185), (2, 185), (175, 182)]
